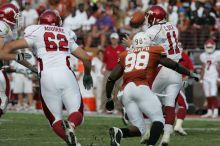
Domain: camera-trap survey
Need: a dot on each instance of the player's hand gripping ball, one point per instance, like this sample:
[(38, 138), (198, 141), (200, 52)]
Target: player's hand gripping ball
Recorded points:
[(137, 19)]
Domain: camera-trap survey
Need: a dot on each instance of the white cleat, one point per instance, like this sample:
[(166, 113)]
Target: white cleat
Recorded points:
[(145, 137), (180, 131), (214, 116), (206, 115), (165, 139), (70, 134)]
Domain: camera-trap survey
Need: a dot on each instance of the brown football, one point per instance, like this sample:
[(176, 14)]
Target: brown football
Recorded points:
[(137, 19)]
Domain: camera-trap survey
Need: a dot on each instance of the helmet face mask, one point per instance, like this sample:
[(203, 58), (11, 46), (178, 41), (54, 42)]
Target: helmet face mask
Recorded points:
[(210, 46)]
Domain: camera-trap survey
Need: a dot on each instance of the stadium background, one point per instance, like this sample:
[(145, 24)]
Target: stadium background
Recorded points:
[(197, 20)]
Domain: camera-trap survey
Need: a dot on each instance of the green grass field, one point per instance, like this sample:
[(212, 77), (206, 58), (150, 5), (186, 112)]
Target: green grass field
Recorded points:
[(18, 129)]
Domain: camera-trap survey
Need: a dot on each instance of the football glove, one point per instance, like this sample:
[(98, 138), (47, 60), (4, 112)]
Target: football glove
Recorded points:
[(109, 105), (22, 56), (87, 81)]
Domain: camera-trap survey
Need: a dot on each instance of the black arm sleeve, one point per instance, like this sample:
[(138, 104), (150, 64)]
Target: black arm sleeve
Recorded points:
[(114, 76), (174, 66)]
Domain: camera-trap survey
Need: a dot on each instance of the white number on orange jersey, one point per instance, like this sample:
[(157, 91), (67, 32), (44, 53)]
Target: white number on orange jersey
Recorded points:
[(137, 61)]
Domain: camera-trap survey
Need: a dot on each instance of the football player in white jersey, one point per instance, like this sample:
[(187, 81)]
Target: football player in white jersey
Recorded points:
[(53, 46), (9, 15), (209, 75), (166, 81)]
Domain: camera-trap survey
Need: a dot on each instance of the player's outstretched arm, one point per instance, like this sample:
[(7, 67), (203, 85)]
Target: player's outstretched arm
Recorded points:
[(86, 59), (177, 67), (114, 76), (6, 53)]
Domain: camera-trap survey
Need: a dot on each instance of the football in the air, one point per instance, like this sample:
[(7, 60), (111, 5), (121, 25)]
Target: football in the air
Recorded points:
[(137, 19)]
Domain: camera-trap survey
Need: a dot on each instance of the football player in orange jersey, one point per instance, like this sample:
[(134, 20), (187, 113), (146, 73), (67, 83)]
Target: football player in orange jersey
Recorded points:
[(138, 67)]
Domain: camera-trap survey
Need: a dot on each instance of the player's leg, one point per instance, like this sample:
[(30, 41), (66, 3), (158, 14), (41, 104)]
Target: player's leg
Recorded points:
[(181, 113), (207, 91), (150, 105), (28, 90), (214, 93), (18, 89), (171, 91), (52, 104), (134, 115), (72, 101), (99, 97), (4, 92)]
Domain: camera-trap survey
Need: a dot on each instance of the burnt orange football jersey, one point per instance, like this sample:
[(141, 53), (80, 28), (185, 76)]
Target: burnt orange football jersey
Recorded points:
[(140, 64)]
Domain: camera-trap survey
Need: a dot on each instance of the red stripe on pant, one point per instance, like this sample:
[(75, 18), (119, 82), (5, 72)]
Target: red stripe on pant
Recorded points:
[(7, 89), (181, 113)]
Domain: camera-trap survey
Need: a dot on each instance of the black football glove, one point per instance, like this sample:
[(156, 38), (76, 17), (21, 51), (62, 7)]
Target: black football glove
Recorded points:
[(195, 76), (109, 105), (87, 81), (22, 56)]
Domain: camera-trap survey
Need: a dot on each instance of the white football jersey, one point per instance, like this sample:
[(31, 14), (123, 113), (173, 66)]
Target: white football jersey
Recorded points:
[(211, 64), (51, 44), (166, 35), (6, 32)]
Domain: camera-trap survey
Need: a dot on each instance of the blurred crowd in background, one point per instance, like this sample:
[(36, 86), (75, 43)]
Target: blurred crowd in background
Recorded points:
[(100, 26)]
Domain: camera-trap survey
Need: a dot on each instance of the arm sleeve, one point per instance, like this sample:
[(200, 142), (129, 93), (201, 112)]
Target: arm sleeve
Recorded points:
[(72, 42), (29, 35), (201, 57)]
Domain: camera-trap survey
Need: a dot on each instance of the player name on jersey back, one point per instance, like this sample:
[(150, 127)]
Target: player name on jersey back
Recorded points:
[(54, 28)]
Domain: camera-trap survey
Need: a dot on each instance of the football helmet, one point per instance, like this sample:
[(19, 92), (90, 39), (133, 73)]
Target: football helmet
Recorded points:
[(155, 15), (210, 46), (140, 40), (9, 13), (50, 17)]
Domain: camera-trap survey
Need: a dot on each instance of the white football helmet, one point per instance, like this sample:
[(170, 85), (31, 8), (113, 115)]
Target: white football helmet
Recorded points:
[(141, 40), (210, 46)]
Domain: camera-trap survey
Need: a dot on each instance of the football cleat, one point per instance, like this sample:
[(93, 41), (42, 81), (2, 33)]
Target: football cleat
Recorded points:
[(180, 131), (124, 116), (70, 134), (206, 115), (165, 139), (115, 135), (145, 137)]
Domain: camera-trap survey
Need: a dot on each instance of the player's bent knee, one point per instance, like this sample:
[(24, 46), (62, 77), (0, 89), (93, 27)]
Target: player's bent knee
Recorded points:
[(76, 118)]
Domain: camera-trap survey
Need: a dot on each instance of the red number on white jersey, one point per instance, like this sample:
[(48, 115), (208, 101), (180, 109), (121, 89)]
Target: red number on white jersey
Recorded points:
[(209, 62), (172, 50), (51, 45)]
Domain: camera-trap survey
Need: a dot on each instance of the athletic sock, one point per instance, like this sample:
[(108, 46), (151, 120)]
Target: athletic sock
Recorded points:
[(155, 132)]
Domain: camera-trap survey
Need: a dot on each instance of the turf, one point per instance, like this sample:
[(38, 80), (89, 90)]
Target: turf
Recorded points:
[(19, 129)]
